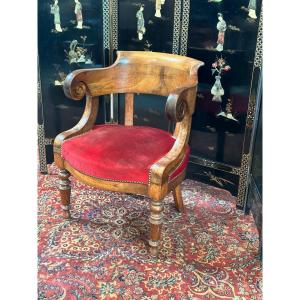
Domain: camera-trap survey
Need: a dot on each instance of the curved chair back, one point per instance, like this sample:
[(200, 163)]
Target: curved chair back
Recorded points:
[(135, 72)]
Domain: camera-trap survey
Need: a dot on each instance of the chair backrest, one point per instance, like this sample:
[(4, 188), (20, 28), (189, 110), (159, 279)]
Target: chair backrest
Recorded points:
[(137, 72)]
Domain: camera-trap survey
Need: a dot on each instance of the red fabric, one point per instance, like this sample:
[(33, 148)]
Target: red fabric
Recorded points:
[(120, 153)]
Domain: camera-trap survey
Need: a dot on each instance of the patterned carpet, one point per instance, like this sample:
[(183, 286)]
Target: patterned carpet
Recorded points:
[(210, 252)]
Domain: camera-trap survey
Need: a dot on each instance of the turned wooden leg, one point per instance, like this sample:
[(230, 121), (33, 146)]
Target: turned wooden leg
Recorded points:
[(65, 192), (178, 198), (156, 219)]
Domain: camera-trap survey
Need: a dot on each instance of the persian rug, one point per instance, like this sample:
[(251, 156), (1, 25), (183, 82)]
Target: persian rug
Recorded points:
[(208, 252)]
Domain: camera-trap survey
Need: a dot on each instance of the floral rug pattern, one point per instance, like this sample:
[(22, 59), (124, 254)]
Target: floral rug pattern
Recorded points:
[(208, 252)]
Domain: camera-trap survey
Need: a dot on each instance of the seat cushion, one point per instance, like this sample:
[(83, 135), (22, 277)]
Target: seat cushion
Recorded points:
[(120, 153)]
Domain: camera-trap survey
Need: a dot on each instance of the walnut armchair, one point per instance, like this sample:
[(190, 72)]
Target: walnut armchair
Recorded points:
[(127, 158)]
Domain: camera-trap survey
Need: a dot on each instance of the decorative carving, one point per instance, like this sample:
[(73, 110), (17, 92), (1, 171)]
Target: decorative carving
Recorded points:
[(78, 54), (259, 43), (219, 67), (140, 22), (55, 11), (215, 165), (42, 149), (236, 171), (156, 220), (243, 172), (65, 191), (114, 14), (246, 158), (156, 215), (74, 89), (251, 111), (78, 14), (185, 27), (158, 5), (218, 180), (176, 26), (106, 24), (79, 90), (64, 182), (175, 108), (42, 140), (221, 27), (110, 24), (252, 9)]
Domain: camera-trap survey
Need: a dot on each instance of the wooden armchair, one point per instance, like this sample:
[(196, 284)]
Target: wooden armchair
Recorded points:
[(127, 158)]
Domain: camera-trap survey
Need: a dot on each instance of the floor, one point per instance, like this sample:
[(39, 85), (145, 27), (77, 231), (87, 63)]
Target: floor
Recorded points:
[(208, 252)]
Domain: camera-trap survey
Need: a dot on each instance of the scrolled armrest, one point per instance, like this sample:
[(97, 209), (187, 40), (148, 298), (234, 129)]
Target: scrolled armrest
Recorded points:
[(73, 87), (176, 107)]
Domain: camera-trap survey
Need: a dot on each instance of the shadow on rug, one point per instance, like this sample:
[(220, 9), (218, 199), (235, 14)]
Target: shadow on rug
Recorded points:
[(209, 252)]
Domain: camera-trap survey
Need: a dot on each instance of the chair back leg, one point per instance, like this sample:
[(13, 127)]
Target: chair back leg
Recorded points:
[(177, 194), (65, 192)]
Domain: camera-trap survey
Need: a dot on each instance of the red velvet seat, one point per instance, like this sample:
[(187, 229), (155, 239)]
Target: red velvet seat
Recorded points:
[(120, 153)]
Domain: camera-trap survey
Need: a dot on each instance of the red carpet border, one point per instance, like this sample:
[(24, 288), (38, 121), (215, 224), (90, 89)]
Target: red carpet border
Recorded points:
[(209, 252)]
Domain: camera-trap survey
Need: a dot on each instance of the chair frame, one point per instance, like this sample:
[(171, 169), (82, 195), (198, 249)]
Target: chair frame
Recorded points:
[(135, 72)]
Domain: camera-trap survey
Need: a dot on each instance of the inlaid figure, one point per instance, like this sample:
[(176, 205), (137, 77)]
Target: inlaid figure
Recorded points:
[(147, 46), (140, 23), (78, 13), (218, 67), (252, 9), (221, 26), (78, 54), (72, 54), (229, 114), (54, 10), (158, 5), (217, 90)]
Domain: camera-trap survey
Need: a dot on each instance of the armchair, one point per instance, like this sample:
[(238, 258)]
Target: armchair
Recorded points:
[(127, 158)]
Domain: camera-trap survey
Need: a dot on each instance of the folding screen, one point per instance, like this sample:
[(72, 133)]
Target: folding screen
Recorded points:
[(69, 38), (225, 34)]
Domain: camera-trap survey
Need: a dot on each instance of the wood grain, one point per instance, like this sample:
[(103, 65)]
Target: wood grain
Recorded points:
[(147, 73), (135, 72), (129, 108)]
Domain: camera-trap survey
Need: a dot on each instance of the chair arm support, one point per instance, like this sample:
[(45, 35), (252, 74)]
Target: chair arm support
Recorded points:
[(162, 169), (85, 123), (167, 164), (179, 108)]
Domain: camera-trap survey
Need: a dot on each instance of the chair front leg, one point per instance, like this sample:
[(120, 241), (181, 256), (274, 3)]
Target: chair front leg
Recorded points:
[(65, 192), (156, 219)]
